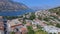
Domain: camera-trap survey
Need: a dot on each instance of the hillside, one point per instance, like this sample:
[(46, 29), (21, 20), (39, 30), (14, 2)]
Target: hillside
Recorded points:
[(9, 5), (55, 10)]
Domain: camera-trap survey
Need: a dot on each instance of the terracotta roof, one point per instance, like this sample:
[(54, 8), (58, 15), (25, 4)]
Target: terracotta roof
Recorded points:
[(28, 24), (1, 28), (23, 29), (16, 25)]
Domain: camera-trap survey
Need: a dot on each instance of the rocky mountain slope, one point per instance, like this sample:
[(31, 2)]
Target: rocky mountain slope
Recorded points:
[(9, 5)]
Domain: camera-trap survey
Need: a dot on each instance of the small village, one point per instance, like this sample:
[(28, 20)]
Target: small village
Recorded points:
[(29, 16), (32, 23)]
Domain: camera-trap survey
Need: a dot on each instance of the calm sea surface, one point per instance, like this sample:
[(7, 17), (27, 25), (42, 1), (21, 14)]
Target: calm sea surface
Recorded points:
[(15, 13)]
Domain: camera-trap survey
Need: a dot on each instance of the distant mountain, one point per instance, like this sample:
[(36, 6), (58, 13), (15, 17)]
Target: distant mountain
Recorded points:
[(55, 10), (36, 8), (40, 7), (9, 5)]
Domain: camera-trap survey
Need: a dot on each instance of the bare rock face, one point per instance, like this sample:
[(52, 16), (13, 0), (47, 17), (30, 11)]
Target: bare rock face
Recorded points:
[(9, 5)]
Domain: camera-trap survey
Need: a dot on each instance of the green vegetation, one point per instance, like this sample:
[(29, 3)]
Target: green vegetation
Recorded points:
[(39, 17), (55, 17), (58, 25), (49, 23), (24, 22), (50, 33), (30, 31), (39, 27), (11, 17), (12, 33), (40, 32), (46, 19), (32, 16), (54, 33), (55, 10)]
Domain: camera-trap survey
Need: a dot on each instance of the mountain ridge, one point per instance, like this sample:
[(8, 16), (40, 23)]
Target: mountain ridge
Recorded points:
[(55, 10), (9, 5)]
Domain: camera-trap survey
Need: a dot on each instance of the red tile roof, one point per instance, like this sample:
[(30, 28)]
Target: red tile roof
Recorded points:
[(23, 29), (16, 25), (1, 28)]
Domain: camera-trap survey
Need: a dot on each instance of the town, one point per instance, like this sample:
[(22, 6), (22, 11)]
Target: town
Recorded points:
[(29, 16), (39, 22)]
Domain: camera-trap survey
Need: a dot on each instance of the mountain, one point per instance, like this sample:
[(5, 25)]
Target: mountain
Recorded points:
[(40, 7), (37, 8), (9, 5), (55, 10)]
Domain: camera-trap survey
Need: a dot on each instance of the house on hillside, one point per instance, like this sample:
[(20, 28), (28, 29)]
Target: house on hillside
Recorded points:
[(51, 29), (16, 26), (1, 25), (42, 13)]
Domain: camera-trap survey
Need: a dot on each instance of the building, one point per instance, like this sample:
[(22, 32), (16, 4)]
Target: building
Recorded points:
[(16, 26), (51, 29), (13, 23), (23, 30), (1, 25), (42, 13)]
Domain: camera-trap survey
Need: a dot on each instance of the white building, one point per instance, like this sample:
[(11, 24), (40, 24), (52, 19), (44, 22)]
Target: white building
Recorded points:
[(42, 13), (14, 23), (51, 29)]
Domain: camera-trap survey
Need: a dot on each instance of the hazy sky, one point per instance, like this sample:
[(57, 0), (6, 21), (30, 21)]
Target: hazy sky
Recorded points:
[(40, 3)]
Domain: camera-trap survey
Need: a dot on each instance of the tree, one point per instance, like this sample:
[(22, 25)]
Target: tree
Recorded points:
[(24, 22), (12, 32), (30, 31), (39, 27), (11, 17), (54, 33), (58, 25), (32, 16), (50, 33), (46, 19), (39, 17)]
